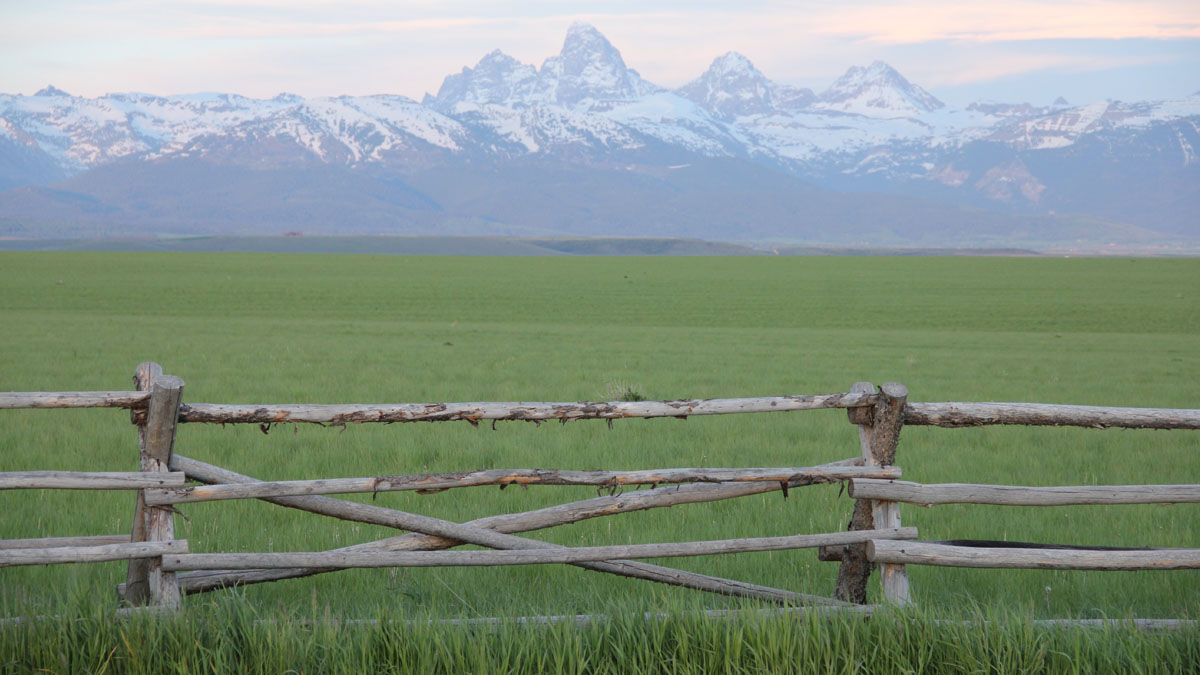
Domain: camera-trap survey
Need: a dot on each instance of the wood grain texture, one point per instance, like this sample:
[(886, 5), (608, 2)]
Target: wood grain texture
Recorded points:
[(878, 437), (150, 582), (136, 589), (73, 399), (521, 557), (1017, 495), (926, 553), (89, 480), (794, 476), (527, 411), (80, 554), (61, 542), (1048, 414)]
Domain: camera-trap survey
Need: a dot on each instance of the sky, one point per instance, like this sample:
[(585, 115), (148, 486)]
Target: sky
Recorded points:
[(962, 51)]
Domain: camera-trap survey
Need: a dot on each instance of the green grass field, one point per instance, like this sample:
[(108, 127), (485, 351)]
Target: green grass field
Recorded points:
[(252, 328)]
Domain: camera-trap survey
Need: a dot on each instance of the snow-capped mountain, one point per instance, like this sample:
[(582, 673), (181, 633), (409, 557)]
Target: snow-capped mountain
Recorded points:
[(80, 133), (877, 90), (871, 131), (497, 79), (588, 73)]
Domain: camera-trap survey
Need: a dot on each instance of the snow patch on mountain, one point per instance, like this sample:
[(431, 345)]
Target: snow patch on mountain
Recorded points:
[(677, 121)]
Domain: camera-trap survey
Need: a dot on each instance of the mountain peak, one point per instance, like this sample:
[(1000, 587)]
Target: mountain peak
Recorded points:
[(51, 90), (882, 68), (586, 44), (732, 62), (497, 58), (588, 68), (878, 91), (497, 78), (731, 87), (582, 30)]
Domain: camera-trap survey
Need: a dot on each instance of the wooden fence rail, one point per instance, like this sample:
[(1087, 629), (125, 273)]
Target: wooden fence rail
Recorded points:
[(1017, 495), (74, 399), (505, 477), (61, 542), (89, 480), (948, 414), (1048, 414), (944, 555), (523, 557), (101, 553), (336, 415)]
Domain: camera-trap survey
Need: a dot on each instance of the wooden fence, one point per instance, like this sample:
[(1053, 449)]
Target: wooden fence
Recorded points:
[(161, 570)]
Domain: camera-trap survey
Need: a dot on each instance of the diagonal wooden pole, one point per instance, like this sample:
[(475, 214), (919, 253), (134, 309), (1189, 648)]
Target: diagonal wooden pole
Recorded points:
[(493, 539)]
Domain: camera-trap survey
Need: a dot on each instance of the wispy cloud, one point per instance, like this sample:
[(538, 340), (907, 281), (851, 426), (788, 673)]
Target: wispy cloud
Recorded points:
[(1011, 20), (1024, 62)]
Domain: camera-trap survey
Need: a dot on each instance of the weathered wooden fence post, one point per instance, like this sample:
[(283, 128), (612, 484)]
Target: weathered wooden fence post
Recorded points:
[(879, 434), (146, 582)]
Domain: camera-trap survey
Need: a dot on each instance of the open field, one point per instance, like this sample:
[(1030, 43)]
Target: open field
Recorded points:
[(245, 328)]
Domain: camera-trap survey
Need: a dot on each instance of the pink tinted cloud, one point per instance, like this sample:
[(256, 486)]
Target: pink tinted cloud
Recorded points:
[(1012, 20)]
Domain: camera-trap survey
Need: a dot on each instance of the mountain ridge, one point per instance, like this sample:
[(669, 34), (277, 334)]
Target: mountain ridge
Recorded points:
[(871, 131)]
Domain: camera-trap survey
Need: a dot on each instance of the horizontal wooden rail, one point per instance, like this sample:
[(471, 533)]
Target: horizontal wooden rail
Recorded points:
[(82, 554), (60, 542), (1017, 495), (504, 477), (74, 399), (526, 557), (927, 553), (1049, 414), (527, 411), (89, 480), (949, 414)]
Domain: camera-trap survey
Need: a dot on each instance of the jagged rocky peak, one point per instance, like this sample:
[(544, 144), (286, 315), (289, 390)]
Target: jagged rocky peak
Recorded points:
[(51, 90), (497, 78), (589, 68), (877, 90), (731, 87)]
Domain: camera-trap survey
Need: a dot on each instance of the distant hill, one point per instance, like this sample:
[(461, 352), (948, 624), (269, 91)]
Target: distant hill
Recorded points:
[(467, 246)]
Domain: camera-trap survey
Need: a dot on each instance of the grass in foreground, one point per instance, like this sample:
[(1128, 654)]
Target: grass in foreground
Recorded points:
[(237, 636)]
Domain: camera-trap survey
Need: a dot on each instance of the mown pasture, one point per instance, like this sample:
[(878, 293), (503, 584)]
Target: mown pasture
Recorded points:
[(247, 328)]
